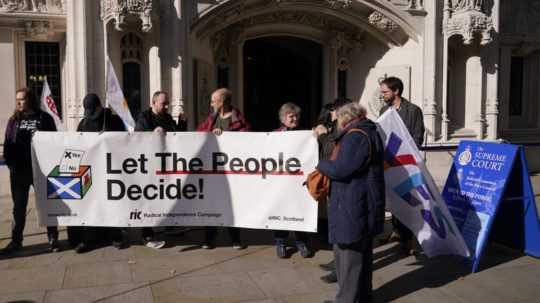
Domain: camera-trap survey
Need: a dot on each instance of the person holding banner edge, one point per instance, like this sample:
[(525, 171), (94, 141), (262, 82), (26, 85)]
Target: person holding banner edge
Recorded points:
[(289, 116), (223, 118), (413, 118), (158, 120), (357, 201), (27, 119)]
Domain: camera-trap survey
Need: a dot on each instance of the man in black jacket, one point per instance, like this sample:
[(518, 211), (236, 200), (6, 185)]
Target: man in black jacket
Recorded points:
[(96, 119), (27, 119), (158, 120), (413, 118)]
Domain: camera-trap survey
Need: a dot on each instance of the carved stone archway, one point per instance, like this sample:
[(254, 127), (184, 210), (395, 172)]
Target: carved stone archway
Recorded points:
[(377, 18), (341, 26)]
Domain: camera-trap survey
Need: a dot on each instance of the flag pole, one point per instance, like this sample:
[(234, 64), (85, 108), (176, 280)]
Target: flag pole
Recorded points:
[(106, 61)]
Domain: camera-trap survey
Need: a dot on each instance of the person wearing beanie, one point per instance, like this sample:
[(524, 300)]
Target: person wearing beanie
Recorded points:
[(96, 119)]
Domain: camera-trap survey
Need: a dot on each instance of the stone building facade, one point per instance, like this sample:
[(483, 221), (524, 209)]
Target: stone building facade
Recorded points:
[(471, 65)]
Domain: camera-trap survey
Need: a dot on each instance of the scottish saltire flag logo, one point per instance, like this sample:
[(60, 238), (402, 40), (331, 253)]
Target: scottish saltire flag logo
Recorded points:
[(69, 186), (412, 194)]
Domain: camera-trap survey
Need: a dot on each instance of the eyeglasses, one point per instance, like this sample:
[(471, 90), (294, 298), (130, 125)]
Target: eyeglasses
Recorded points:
[(20, 99)]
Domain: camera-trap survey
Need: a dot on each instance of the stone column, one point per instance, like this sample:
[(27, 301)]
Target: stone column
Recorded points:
[(154, 69), (432, 62), (492, 79), (78, 51), (176, 58), (474, 97)]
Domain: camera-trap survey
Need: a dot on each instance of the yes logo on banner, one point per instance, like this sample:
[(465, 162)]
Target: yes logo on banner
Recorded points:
[(69, 180), (413, 196)]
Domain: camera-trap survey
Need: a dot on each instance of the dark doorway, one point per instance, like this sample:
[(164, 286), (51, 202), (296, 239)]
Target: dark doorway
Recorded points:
[(132, 86), (278, 70)]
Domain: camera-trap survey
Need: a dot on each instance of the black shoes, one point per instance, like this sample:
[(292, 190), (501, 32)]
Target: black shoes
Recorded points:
[(119, 244), (330, 266), (281, 250), (12, 248), (81, 248), (330, 278), (53, 245), (304, 250)]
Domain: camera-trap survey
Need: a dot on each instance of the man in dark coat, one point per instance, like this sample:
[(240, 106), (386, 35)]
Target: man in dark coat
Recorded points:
[(96, 119), (27, 119), (356, 209), (413, 118), (158, 120), (223, 118)]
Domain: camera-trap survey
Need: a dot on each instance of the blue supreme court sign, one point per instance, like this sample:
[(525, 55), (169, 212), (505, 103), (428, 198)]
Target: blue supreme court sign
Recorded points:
[(489, 194)]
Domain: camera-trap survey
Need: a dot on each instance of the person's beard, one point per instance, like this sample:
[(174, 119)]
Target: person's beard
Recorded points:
[(390, 101)]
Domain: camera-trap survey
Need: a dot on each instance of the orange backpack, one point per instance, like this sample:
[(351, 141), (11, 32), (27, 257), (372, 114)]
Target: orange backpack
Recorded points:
[(318, 185)]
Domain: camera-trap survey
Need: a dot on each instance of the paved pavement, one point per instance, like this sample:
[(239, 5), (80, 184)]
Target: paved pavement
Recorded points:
[(184, 273)]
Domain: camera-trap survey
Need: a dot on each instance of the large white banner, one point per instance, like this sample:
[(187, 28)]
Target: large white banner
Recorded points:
[(413, 196), (251, 180)]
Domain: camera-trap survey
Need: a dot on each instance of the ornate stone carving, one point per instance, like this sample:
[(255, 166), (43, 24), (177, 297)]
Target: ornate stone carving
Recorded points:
[(416, 5), (39, 30), (382, 22), (339, 3), (468, 19), (120, 10), (38, 6), (344, 44), (319, 21)]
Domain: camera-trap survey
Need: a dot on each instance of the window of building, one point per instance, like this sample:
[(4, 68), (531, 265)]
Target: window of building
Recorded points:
[(223, 76), (342, 83), (131, 50), (43, 62)]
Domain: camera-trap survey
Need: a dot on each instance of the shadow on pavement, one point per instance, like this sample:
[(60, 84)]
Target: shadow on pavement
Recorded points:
[(434, 273)]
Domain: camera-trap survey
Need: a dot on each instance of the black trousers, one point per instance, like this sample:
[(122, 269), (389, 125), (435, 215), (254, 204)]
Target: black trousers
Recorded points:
[(354, 269), (405, 234), (281, 235), (94, 235), (210, 234), (147, 233), (20, 186)]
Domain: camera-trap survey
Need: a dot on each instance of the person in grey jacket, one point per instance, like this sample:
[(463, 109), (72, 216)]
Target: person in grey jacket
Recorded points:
[(413, 118)]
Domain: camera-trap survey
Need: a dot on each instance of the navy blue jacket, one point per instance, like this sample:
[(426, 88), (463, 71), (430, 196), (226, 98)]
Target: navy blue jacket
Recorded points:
[(357, 194)]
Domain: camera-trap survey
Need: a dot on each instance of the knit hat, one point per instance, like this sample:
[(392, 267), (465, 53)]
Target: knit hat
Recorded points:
[(91, 103)]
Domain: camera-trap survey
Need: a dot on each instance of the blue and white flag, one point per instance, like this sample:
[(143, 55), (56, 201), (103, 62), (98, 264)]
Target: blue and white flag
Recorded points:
[(412, 194)]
